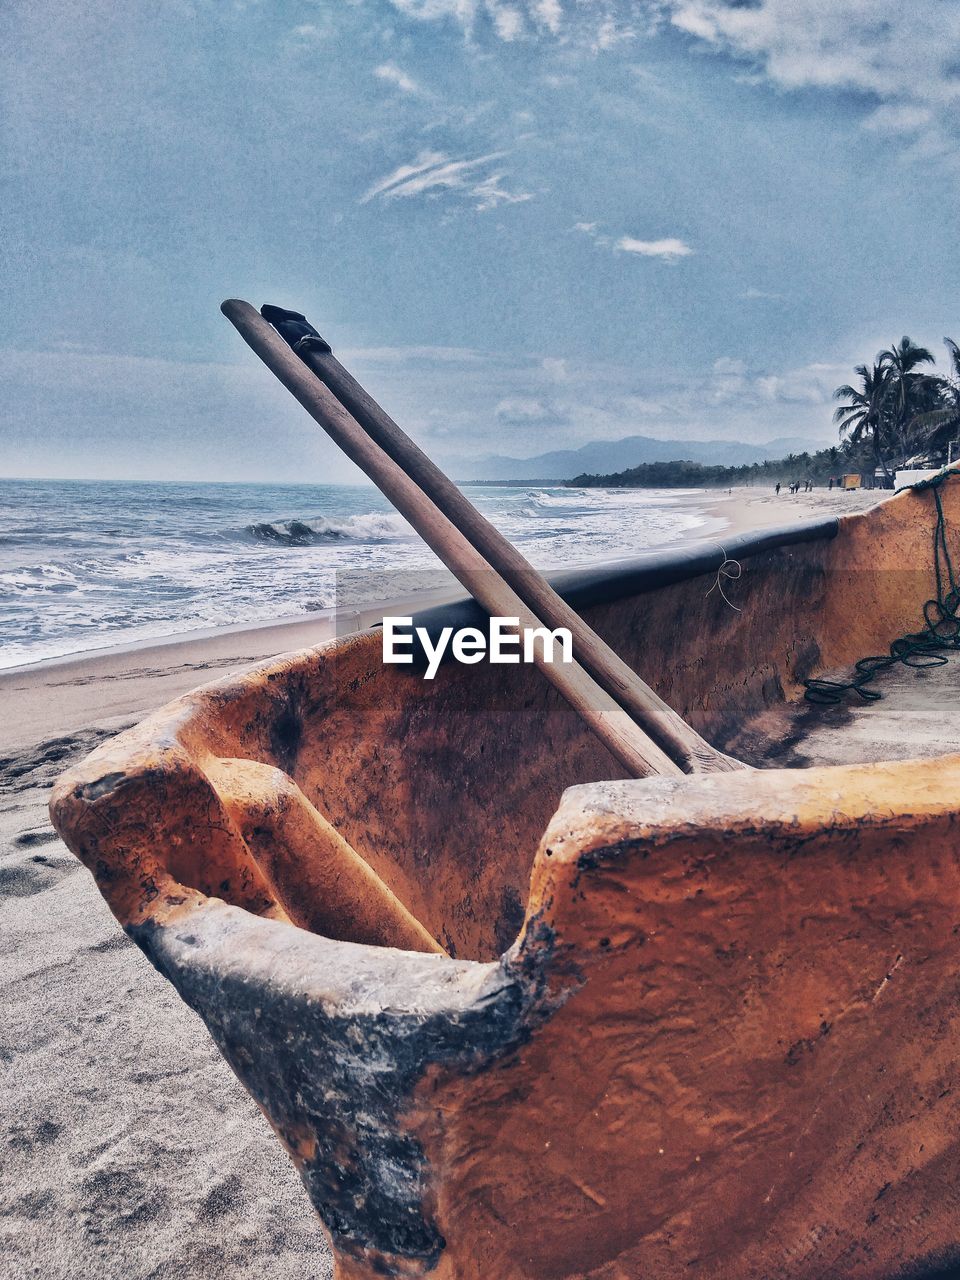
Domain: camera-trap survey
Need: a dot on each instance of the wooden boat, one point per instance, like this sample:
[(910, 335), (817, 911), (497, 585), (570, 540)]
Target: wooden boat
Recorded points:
[(700, 1026)]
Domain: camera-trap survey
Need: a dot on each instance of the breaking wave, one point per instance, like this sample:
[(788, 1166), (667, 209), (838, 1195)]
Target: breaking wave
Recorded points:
[(372, 526)]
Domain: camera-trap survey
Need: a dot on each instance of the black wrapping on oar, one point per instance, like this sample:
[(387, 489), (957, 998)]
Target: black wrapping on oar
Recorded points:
[(295, 329)]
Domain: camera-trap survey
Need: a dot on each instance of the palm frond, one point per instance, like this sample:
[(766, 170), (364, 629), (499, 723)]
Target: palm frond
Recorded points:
[(934, 420), (846, 392)]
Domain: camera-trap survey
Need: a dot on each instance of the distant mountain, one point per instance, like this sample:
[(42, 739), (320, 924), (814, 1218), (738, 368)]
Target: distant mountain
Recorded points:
[(605, 456)]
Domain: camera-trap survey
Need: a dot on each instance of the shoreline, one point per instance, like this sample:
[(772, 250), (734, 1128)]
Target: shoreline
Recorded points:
[(108, 688), (112, 687)]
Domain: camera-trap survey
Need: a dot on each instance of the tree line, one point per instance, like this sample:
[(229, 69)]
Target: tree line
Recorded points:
[(898, 409), (696, 475)]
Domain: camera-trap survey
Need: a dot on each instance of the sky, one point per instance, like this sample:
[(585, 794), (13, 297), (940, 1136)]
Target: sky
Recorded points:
[(523, 224)]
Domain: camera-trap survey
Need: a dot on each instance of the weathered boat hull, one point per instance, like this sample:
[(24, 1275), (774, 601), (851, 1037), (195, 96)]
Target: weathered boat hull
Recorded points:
[(714, 1033)]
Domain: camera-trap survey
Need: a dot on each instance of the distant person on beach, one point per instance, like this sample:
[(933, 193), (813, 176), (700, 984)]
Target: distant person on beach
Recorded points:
[(777, 488), (830, 485)]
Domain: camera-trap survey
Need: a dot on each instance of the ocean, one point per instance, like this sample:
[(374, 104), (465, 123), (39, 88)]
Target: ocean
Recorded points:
[(89, 564)]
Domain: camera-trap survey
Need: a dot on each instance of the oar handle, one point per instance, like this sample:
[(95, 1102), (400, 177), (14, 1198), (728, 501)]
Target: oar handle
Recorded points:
[(625, 740), (669, 730)]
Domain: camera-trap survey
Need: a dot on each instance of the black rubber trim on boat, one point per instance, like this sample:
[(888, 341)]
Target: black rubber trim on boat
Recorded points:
[(605, 583)]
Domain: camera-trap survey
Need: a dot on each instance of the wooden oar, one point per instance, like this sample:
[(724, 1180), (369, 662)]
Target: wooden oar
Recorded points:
[(678, 740), (625, 740)]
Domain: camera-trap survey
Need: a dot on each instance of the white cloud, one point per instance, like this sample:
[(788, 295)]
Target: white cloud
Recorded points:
[(555, 368), (609, 34), (305, 38), (598, 400), (907, 56), (814, 384), (524, 409), (668, 250), (510, 19), (766, 295), (391, 74), (489, 193), (549, 14), (733, 382), (433, 173), (880, 46), (426, 160), (904, 54), (508, 22), (449, 403), (898, 118), (464, 10), (728, 379)]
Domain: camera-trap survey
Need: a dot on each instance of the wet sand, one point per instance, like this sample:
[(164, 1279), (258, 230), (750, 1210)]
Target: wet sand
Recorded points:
[(131, 1152)]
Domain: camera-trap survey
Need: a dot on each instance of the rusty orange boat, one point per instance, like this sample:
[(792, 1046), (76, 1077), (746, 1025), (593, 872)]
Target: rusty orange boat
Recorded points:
[(700, 1026)]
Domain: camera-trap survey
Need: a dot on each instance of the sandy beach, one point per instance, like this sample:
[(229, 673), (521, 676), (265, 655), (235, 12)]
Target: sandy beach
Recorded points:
[(131, 1151)]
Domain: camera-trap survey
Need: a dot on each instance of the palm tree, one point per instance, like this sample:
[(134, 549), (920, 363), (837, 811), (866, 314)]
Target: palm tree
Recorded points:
[(939, 423), (865, 415), (909, 389)]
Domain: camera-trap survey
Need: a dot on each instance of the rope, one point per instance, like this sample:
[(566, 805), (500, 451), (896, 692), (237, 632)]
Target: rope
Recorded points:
[(921, 649), (731, 569)]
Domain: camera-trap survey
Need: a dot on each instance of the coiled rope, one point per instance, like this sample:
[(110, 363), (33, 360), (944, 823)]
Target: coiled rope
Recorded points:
[(924, 648)]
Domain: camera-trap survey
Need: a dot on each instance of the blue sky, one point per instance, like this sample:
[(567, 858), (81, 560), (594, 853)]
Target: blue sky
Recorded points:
[(524, 224)]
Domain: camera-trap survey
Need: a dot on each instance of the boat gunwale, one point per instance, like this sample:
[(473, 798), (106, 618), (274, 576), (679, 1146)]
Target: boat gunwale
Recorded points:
[(610, 581)]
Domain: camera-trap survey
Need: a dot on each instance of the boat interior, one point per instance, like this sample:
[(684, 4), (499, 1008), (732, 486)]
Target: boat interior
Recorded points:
[(445, 787)]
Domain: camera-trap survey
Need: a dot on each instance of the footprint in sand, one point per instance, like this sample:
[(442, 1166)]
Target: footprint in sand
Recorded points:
[(41, 1135), (29, 878), (42, 764), (225, 1196), (117, 1199), (31, 839)]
